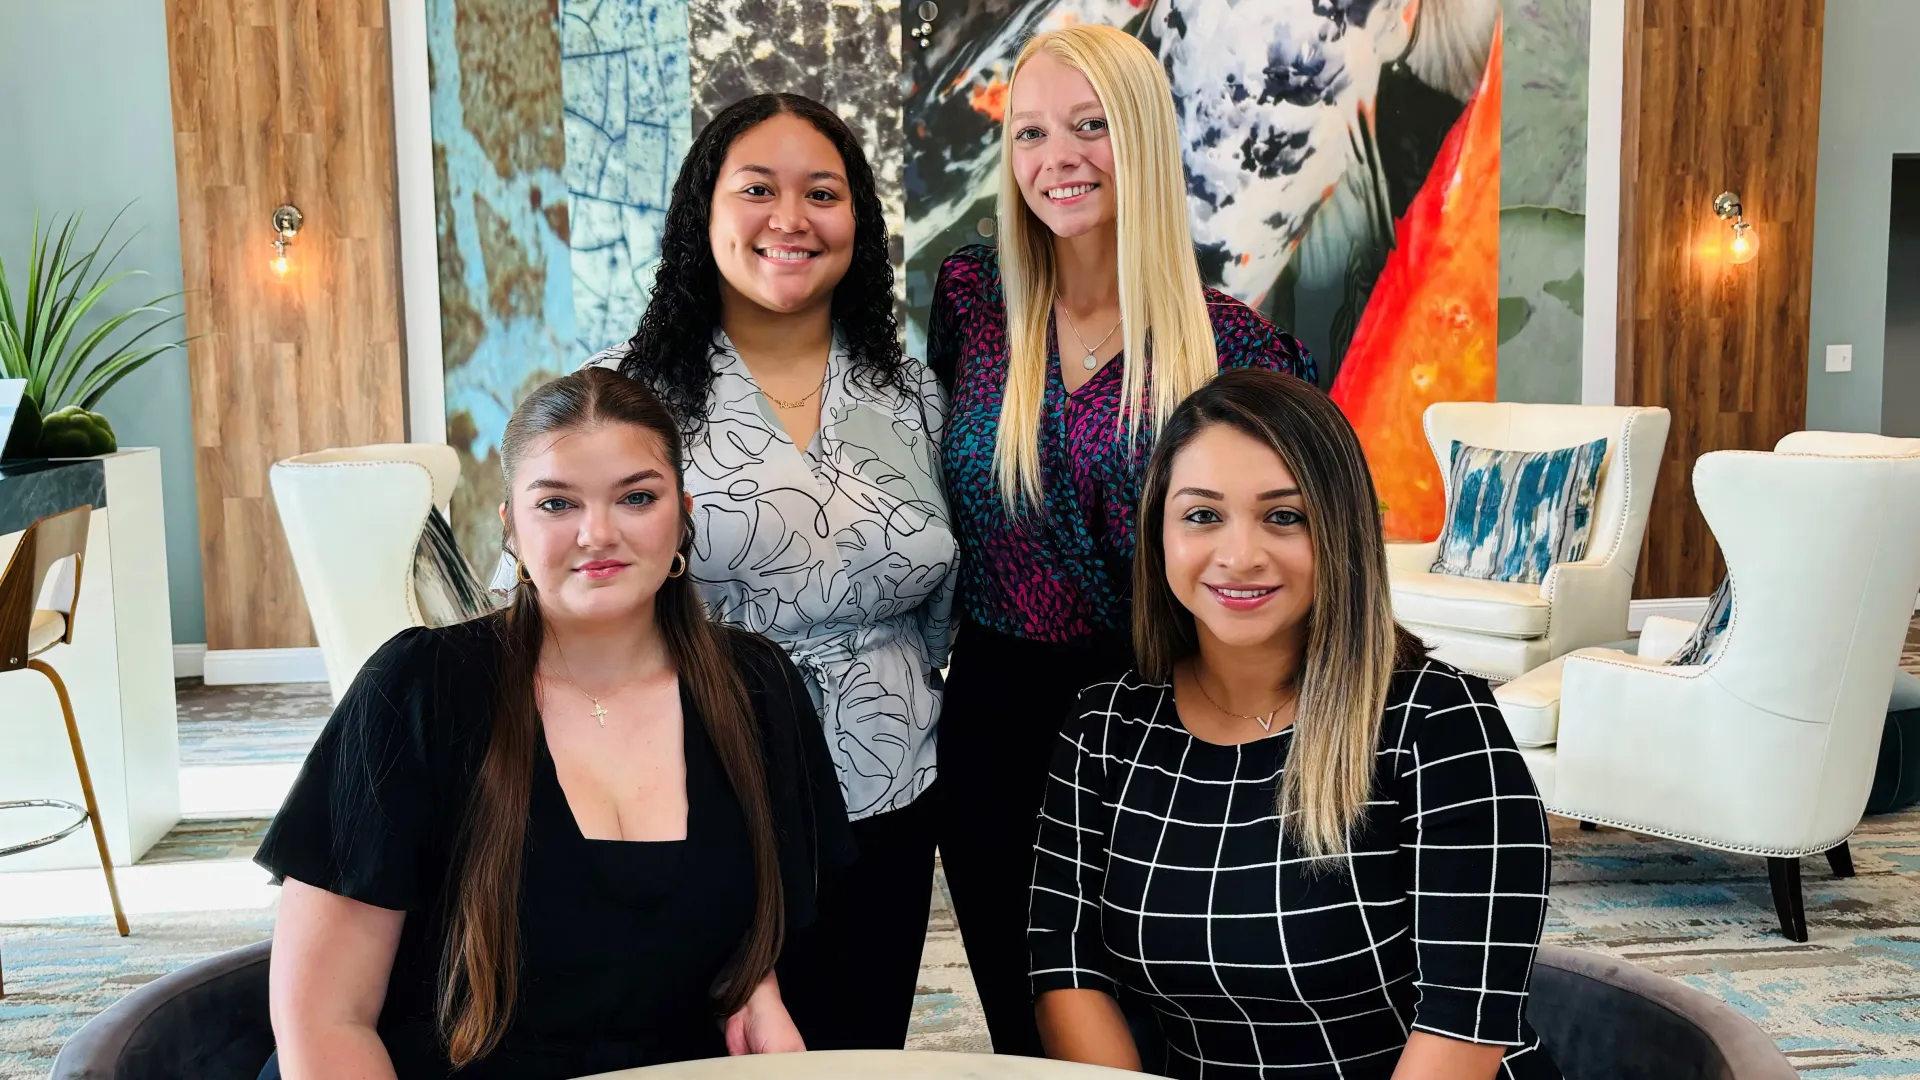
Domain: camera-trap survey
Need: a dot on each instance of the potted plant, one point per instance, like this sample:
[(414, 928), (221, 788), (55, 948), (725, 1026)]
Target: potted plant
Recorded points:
[(69, 368)]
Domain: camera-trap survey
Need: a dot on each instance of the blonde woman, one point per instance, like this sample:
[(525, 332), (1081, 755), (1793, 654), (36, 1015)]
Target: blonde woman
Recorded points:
[(1311, 849), (1061, 354)]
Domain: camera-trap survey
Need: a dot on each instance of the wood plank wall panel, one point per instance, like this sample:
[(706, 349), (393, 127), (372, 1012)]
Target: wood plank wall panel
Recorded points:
[(1720, 95), (278, 101)]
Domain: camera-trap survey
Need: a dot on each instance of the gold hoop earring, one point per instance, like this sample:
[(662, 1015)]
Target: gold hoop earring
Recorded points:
[(679, 561), (520, 571)]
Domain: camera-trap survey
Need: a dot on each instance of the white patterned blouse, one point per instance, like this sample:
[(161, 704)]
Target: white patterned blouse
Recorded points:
[(841, 552)]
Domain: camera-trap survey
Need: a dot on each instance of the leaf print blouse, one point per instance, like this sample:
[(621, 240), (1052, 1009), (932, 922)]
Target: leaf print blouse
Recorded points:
[(841, 552), (1065, 573)]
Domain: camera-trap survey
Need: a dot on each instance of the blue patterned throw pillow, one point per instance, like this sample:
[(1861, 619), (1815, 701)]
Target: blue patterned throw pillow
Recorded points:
[(1515, 513), (1712, 627)]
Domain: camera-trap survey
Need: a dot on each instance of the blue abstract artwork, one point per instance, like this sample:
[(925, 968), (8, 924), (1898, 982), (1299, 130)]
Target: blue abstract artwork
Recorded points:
[(629, 120), (557, 130)]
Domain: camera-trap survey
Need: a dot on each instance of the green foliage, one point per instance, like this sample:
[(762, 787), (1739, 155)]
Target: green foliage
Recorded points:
[(75, 432), (41, 337)]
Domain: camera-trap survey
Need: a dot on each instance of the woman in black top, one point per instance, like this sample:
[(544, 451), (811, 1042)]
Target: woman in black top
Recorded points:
[(1312, 850), (566, 838)]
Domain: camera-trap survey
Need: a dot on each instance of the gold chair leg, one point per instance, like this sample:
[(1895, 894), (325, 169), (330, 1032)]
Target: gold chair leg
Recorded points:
[(86, 788)]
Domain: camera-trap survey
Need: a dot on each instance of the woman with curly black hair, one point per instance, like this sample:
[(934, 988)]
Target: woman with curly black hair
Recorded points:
[(819, 517)]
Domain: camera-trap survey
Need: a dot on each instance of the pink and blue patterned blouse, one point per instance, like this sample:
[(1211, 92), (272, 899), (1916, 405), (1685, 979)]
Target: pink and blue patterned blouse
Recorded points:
[(1066, 573)]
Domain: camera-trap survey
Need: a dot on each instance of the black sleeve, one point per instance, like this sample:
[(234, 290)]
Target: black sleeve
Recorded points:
[(1473, 852), (362, 819), (1070, 855), (809, 813)]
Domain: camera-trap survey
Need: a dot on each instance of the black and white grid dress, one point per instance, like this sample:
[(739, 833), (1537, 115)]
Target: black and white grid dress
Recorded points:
[(1163, 867)]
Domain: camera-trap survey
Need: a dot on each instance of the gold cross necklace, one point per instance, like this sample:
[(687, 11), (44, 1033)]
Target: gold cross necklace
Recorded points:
[(599, 712)]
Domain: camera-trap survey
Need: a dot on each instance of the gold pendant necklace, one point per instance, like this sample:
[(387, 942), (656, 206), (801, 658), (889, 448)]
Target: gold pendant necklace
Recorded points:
[(1266, 722), (1092, 359), (599, 712)]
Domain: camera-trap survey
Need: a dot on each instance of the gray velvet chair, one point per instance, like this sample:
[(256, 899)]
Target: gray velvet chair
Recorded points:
[(1605, 1019), (1601, 1019), (204, 1022)]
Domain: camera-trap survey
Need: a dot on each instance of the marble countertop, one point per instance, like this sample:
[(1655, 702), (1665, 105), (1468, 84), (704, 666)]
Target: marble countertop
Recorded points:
[(870, 1065), (30, 490)]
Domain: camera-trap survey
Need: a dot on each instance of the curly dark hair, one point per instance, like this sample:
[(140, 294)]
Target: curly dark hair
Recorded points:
[(672, 351)]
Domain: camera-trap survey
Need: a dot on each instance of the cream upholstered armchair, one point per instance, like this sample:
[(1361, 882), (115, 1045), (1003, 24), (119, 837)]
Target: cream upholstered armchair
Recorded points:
[(1662, 636), (1501, 629), (1768, 747), (354, 519)]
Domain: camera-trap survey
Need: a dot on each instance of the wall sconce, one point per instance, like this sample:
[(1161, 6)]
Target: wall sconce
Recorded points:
[(1745, 243), (286, 223)]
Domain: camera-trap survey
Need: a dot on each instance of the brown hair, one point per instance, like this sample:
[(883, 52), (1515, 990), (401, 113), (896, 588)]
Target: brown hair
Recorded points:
[(1353, 643), (480, 965)]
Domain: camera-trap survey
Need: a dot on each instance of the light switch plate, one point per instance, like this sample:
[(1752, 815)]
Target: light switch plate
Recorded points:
[(1839, 358)]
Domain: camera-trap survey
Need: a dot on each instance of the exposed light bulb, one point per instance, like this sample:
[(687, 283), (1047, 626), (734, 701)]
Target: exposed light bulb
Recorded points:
[(280, 265), (1745, 244)]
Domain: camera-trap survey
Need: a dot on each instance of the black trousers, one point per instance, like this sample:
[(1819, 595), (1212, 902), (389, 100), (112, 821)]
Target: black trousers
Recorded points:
[(1006, 700), (848, 979)]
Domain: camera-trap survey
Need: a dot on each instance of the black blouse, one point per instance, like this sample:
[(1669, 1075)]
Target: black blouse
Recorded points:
[(620, 941), (1162, 867)]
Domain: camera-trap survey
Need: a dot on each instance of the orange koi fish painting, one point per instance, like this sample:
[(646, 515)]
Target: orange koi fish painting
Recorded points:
[(1430, 328)]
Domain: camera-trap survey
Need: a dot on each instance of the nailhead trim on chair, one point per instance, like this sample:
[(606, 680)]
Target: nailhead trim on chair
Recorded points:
[(1773, 853), (1676, 673), (1619, 533), (406, 586)]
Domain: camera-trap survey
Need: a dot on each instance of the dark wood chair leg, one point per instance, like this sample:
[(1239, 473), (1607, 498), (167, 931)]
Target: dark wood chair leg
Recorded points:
[(1841, 860), (1787, 900), (1588, 826)]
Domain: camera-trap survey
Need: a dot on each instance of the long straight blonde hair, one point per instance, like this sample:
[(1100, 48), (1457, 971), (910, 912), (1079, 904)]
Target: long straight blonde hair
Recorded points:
[(1163, 307), (1353, 643)]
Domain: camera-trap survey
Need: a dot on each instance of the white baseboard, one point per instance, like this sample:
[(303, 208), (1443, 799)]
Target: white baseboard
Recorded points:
[(189, 661), (1690, 608), (233, 667)]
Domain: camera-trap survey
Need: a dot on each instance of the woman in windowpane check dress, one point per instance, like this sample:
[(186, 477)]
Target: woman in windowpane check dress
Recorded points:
[(1313, 850)]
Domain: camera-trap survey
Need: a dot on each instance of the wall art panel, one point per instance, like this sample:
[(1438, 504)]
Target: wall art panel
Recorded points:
[(842, 53), (557, 128)]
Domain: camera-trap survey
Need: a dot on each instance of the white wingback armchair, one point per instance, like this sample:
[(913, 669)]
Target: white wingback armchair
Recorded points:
[(1769, 747), (353, 519), (1500, 629)]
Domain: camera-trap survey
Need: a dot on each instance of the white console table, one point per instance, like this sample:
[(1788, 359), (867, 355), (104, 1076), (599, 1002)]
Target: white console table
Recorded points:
[(119, 668)]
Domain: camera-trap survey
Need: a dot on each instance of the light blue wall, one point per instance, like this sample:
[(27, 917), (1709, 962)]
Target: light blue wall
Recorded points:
[(1869, 86), (86, 123)]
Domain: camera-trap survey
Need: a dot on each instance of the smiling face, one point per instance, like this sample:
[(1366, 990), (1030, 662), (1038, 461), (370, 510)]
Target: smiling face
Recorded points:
[(1060, 148), (596, 518), (1239, 551), (781, 224)]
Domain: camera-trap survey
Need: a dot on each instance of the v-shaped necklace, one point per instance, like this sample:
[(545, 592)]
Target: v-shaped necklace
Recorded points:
[(1265, 722)]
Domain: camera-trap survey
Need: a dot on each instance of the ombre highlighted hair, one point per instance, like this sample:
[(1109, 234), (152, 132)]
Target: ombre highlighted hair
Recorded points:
[(1353, 643), (1163, 306)]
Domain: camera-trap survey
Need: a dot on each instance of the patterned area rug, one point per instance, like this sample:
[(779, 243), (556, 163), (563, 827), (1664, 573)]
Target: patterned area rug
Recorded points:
[(249, 725), (1845, 1004)]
